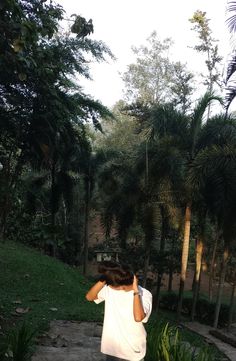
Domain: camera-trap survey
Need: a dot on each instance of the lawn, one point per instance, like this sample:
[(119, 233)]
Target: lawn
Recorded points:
[(45, 287)]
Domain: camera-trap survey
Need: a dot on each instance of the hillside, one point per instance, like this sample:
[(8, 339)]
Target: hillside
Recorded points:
[(37, 289)]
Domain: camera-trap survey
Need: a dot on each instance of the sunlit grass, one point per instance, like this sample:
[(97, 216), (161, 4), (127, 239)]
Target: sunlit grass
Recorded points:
[(46, 287)]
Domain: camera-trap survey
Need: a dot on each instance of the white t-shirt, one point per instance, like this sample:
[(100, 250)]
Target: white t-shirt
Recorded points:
[(122, 336)]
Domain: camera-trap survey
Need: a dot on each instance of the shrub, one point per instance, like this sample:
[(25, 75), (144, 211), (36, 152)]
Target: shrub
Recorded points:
[(205, 309), (187, 305), (169, 301), (18, 344), (165, 344)]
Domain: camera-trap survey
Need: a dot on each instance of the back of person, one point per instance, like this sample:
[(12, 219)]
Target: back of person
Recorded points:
[(127, 307)]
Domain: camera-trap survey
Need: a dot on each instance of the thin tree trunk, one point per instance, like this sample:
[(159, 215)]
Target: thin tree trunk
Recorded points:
[(162, 248), (5, 202), (11, 176), (212, 267), (199, 252), (171, 269), (52, 247), (184, 259), (146, 263), (86, 224), (148, 227), (220, 287), (231, 307), (170, 280)]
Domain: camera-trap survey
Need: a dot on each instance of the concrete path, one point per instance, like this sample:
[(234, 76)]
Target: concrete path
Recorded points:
[(80, 341), (203, 330), (70, 341)]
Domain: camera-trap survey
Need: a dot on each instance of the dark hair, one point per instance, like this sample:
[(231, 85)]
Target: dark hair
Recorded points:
[(116, 274)]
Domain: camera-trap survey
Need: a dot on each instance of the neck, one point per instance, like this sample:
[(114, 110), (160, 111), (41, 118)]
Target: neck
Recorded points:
[(124, 288)]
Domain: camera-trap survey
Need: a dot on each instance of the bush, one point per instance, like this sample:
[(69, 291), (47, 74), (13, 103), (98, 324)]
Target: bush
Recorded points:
[(205, 309), (165, 344), (169, 301), (187, 305), (18, 344)]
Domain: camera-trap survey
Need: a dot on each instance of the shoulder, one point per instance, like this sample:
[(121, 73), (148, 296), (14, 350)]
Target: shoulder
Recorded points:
[(145, 292)]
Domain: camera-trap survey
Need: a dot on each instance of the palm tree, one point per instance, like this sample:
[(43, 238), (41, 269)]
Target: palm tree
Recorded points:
[(195, 126), (216, 165)]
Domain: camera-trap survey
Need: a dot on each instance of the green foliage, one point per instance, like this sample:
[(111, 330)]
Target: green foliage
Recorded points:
[(205, 309), (18, 345), (42, 108), (164, 343), (208, 46), (153, 78)]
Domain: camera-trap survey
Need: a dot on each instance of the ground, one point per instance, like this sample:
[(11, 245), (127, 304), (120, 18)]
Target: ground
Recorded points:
[(70, 341)]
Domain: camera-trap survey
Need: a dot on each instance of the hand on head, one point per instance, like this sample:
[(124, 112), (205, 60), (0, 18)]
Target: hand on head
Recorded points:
[(116, 274), (135, 284)]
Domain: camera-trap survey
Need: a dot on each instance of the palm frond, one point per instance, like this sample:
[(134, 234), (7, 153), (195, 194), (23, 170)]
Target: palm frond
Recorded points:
[(230, 94), (231, 21), (231, 68), (219, 131), (213, 175), (198, 114)]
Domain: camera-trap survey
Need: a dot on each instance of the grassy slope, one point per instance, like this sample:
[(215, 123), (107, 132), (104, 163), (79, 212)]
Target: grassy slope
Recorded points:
[(41, 283)]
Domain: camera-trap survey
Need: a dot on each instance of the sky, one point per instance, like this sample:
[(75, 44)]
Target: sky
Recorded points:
[(121, 24)]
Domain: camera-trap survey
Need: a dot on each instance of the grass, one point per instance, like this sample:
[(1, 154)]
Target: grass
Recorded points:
[(48, 287)]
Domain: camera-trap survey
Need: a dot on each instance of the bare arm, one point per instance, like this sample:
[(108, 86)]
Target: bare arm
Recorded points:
[(92, 294), (138, 310)]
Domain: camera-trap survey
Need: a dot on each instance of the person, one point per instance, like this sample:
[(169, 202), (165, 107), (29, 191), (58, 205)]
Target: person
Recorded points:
[(127, 307)]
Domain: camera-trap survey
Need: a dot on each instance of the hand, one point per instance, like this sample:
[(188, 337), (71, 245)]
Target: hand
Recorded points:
[(135, 284), (102, 278)]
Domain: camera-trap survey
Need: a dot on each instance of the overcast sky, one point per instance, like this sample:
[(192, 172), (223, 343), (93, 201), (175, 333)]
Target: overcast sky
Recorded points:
[(123, 23)]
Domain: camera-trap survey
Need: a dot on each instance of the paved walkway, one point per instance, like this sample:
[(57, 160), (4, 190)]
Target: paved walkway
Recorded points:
[(203, 330), (70, 341), (73, 341)]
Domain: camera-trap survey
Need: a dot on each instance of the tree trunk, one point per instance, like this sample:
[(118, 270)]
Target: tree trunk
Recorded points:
[(147, 240), (6, 195), (231, 307), (198, 265), (146, 263), (170, 280), (212, 268), (162, 248), (220, 287), (171, 269), (52, 246), (86, 224), (184, 258), (10, 176)]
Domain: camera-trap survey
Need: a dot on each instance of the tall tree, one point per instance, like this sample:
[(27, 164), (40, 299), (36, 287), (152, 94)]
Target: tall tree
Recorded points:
[(208, 45), (216, 164), (154, 78), (39, 96)]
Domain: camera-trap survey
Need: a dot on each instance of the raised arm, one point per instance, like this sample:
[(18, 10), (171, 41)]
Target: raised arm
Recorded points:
[(93, 292), (138, 310)]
